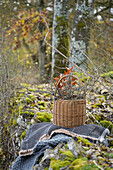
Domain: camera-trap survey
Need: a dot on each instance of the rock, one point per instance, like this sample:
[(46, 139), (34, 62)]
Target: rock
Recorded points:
[(42, 165), (89, 153), (45, 161), (74, 147), (104, 91)]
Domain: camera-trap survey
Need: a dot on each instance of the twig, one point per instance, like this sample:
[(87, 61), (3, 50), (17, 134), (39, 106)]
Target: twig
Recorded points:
[(97, 165), (59, 51)]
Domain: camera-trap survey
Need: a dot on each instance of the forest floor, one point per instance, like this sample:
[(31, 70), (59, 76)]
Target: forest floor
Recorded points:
[(34, 104)]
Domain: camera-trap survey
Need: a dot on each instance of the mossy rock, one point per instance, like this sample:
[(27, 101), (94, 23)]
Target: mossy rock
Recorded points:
[(84, 141), (97, 117), (97, 105), (46, 94), (32, 114), (21, 95), (25, 85), (89, 167), (32, 97), (32, 90), (57, 164), (107, 124), (22, 91), (68, 154), (28, 100), (27, 114), (78, 163), (42, 107), (101, 97), (43, 103), (44, 116), (106, 75), (41, 86), (110, 155)]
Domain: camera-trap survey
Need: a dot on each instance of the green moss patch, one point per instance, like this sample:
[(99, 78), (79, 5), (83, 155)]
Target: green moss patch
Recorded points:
[(44, 116), (14, 122), (32, 97), (84, 141), (107, 124), (57, 164), (106, 75), (43, 103), (68, 154), (78, 163)]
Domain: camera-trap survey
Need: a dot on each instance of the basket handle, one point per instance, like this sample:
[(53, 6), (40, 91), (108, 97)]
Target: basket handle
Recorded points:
[(71, 76)]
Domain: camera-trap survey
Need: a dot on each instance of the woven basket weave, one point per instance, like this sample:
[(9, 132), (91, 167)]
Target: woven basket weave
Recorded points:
[(69, 113)]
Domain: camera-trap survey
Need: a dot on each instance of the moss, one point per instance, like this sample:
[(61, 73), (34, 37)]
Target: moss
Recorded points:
[(97, 105), (42, 103), (101, 97), (14, 122), (23, 135), (44, 116), (46, 168), (32, 97), (32, 114), (84, 141), (26, 112), (41, 86), (107, 124), (21, 95), (25, 84), (106, 75), (97, 117), (32, 90), (78, 163), (89, 167), (110, 155), (57, 164), (66, 146), (22, 90), (46, 94), (42, 108), (68, 154), (28, 100)]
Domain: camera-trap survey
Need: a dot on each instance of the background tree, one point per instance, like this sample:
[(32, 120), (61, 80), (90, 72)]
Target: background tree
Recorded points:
[(60, 35), (80, 35), (101, 42), (84, 15)]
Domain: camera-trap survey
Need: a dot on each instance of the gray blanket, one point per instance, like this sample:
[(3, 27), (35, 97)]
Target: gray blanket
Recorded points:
[(41, 136)]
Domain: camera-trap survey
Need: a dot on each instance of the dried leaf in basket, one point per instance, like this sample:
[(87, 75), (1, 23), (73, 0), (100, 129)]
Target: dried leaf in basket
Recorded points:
[(68, 86)]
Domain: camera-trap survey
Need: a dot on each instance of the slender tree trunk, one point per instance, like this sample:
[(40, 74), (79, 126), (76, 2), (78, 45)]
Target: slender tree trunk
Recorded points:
[(42, 49), (81, 33), (60, 36)]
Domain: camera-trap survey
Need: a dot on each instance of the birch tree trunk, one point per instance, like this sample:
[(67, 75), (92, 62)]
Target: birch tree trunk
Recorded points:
[(60, 36), (81, 33)]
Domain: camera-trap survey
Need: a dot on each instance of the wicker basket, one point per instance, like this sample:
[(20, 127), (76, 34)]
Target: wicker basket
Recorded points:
[(69, 113)]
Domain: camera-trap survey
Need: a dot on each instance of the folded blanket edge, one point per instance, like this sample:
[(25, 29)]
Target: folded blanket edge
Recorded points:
[(26, 152), (66, 132)]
